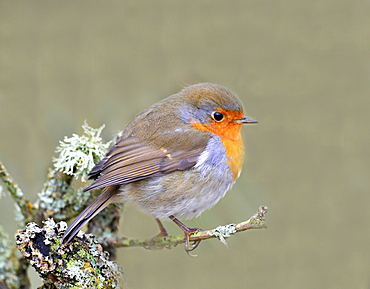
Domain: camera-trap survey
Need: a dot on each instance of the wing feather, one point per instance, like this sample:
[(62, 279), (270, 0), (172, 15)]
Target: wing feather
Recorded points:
[(129, 161)]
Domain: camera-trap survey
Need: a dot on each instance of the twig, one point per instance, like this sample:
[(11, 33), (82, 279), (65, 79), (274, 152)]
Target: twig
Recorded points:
[(26, 207), (257, 221)]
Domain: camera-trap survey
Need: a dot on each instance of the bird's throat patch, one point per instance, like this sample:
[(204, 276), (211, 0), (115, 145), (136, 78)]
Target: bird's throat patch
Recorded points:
[(230, 134)]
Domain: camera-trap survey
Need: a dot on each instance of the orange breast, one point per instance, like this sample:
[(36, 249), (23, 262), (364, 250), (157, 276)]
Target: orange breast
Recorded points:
[(230, 134)]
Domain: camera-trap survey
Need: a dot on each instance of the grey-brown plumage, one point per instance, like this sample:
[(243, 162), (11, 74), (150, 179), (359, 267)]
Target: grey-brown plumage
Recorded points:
[(160, 153)]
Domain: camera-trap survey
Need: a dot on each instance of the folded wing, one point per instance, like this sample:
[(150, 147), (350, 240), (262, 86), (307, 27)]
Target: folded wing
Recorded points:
[(129, 161)]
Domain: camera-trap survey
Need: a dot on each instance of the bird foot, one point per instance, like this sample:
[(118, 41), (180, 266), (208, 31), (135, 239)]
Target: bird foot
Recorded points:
[(188, 232), (162, 233), (191, 247)]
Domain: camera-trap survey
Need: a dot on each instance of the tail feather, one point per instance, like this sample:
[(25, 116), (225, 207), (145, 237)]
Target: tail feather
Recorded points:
[(103, 200)]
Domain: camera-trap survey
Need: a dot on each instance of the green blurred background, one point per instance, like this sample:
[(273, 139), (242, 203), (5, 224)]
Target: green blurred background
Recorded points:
[(300, 67)]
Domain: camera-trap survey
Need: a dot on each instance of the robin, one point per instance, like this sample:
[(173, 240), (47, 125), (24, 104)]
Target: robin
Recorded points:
[(175, 159)]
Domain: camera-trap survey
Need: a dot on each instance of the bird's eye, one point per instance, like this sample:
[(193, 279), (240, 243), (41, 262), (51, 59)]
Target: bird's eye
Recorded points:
[(217, 116)]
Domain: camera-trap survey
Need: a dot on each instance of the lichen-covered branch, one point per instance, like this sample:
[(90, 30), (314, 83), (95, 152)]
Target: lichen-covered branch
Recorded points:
[(84, 262), (81, 264), (78, 154), (257, 221), (26, 207), (59, 198), (13, 272)]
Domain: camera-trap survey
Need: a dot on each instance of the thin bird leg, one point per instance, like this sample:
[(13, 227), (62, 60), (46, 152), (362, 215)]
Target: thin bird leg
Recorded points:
[(163, 231), (188, 232)]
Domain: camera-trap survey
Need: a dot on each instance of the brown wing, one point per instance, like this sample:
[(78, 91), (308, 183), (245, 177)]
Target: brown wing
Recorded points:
[(129, 161)]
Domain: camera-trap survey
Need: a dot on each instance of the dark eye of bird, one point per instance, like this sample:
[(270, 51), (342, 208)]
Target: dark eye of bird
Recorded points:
[(217, 116)]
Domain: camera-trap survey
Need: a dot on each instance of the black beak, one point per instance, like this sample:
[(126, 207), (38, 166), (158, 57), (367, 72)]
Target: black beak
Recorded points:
[(246, 120)]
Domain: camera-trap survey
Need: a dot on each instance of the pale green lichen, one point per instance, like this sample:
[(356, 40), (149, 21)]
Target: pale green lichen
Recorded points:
[(77, 198), (8, 262), (19, 192), (57, 200), (18, 215), (49, 230), (2, 193), (223, 232), (80, 264), (92, 268), (79, 154)]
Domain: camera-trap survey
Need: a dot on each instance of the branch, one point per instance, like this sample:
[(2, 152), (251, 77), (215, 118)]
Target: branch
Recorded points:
[(257, 221), (26, 207), (13, 268), (58, 199), (80, 264), (83, 261)]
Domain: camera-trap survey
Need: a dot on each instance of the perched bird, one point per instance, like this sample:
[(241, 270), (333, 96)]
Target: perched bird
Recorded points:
[(175, 159)]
